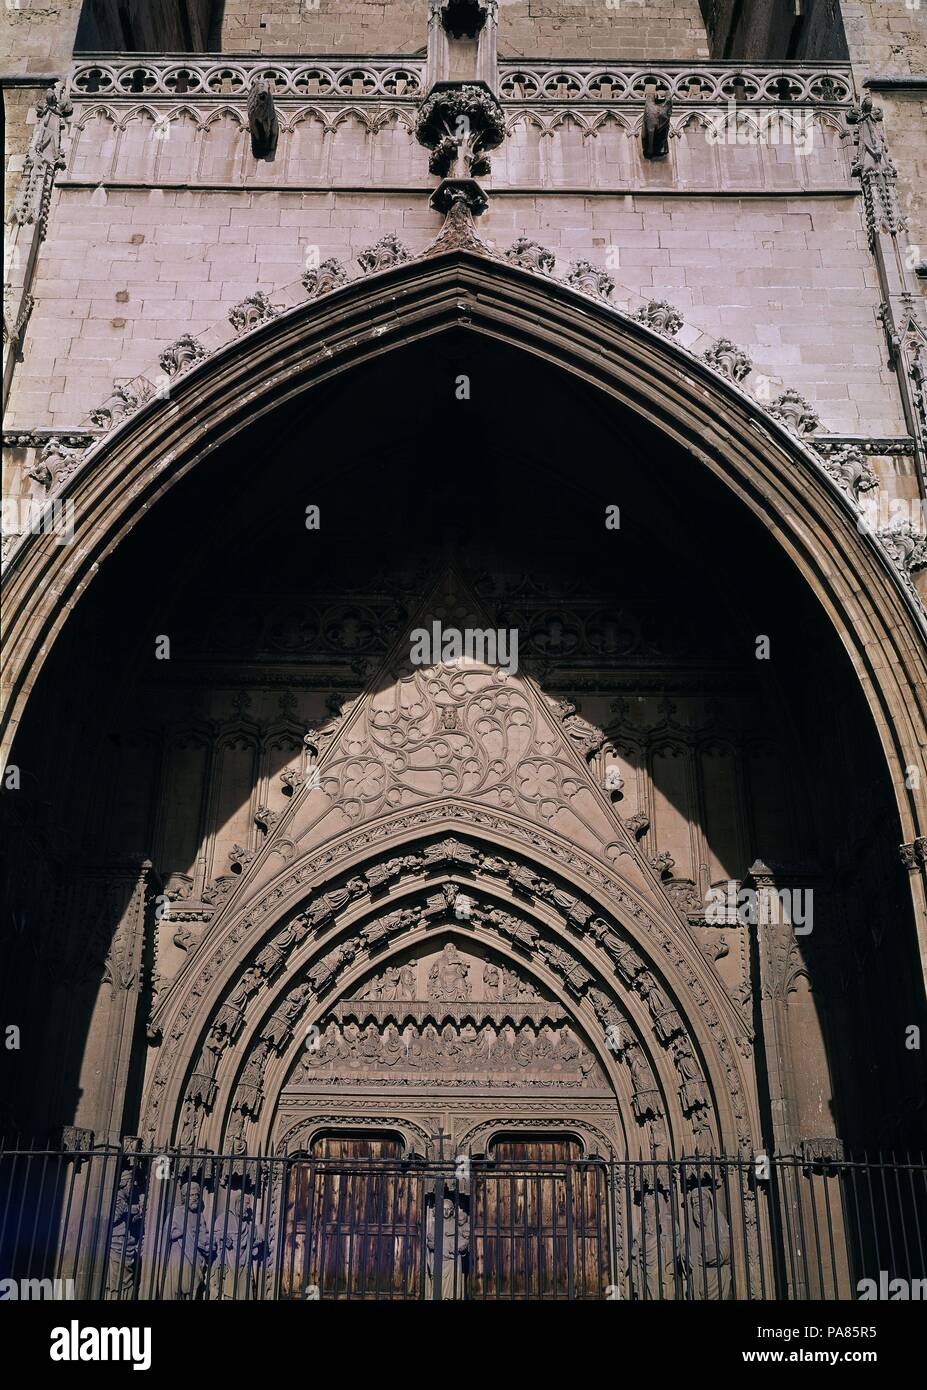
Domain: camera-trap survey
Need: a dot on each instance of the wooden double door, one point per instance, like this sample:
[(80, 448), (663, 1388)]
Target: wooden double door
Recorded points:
[(530, 1221)]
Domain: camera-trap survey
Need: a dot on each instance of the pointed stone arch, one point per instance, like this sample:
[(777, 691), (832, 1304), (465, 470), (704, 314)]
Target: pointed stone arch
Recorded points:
[(769, 470)]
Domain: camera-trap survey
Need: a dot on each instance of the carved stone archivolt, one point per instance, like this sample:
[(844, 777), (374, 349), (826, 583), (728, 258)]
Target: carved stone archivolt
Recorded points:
[(453, 1018)]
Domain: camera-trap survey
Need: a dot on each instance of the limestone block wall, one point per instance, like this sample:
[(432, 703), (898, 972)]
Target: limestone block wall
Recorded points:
[(885, 37), (627, 29), (527, 28), (163, 220), (324, 26), (37, 36)]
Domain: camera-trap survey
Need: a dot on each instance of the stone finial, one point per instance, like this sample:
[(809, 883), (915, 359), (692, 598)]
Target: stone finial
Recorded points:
[(728, 359), (388, 251), (322, 279), (531, 255), (794, 412), (661, 316), (44, 158)]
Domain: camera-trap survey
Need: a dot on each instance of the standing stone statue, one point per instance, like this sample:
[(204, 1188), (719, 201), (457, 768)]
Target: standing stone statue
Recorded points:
[(446, 1264), (126, 1238), (190, 1248), (708, 1265)]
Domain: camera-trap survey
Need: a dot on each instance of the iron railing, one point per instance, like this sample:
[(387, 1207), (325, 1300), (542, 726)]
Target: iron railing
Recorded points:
[(118, 1224)]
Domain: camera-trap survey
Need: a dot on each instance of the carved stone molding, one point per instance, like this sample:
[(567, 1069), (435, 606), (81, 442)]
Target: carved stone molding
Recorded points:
[(693, 84), (201, 78)]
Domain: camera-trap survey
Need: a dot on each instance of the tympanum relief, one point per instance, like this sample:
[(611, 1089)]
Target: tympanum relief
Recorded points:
[(448, 1018)]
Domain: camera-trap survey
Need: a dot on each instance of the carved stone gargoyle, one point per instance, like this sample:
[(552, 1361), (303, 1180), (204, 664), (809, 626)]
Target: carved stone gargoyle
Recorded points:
[(262, 120), (655, 129)]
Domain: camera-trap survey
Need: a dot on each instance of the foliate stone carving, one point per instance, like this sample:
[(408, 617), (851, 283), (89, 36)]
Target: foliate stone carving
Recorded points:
[(40, 473), (531, 255), (914, 854), (685, 896), (262, 120), (588, 278), (588, 738), (44, 158), (907, 549), (794, 412), (638, 824), (388, 251), (322, 279), (728, 359), (460, 123), (661, 316), (255, 309), (655, 127), (124, 401), (15, 317), (820, 1152), (849, 469), (182, 355), (239, 857), (662, 863)]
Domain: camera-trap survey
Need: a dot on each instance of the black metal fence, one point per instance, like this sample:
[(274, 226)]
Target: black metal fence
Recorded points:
[(110, 1223)]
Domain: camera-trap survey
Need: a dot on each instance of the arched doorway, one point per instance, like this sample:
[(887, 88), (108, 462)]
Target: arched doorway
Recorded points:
[(314, 802)]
